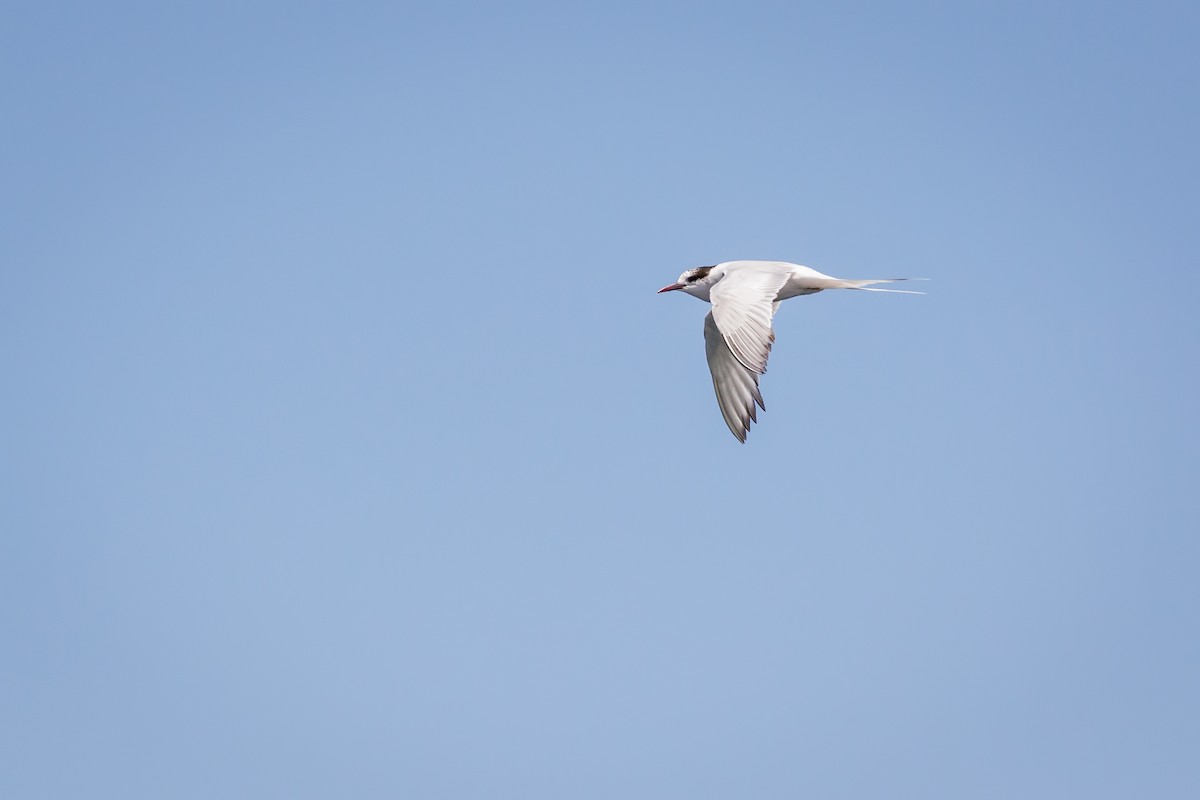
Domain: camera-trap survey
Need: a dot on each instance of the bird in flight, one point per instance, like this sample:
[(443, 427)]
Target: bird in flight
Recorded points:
[(737, 332)]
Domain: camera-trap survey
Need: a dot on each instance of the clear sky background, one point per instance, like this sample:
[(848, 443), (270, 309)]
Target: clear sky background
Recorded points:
[(349, 452)]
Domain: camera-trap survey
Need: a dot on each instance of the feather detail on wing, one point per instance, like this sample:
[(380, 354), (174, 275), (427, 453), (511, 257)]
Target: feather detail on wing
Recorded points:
[(743, 303), (736, 387)]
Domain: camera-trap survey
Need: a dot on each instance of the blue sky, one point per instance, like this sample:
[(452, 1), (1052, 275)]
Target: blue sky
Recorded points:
[(350, 452)]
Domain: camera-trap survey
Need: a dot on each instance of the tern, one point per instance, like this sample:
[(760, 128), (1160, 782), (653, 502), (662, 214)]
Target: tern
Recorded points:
[(737, 332)]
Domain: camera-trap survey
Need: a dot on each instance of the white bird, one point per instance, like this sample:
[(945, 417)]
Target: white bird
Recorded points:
[(737, 332)]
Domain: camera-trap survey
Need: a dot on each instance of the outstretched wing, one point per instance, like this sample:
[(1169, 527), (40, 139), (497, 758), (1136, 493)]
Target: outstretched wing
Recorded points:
[(743, 302), (736, 386)]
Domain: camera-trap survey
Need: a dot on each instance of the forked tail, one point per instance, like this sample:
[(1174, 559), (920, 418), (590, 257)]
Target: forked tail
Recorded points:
[(864, 285)]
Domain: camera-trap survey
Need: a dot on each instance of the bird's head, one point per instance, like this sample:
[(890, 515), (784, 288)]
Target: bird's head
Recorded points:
[(695, 282)]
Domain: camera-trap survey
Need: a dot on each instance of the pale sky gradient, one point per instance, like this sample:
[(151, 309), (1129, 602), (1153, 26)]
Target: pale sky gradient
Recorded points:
[(349, 452)]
